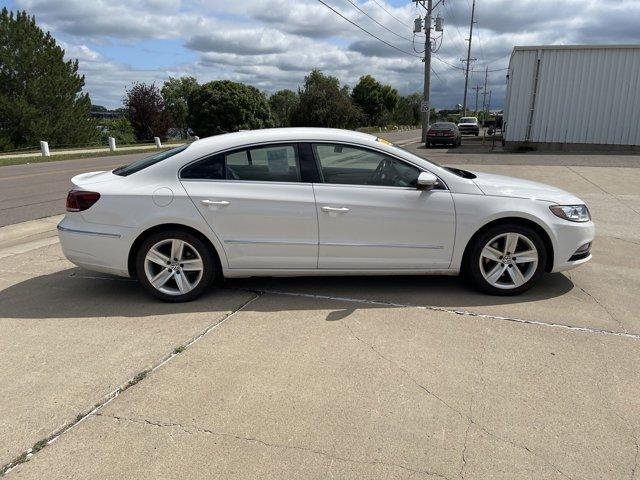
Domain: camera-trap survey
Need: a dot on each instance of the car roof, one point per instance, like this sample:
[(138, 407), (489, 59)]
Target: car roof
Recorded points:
[(249, 137)]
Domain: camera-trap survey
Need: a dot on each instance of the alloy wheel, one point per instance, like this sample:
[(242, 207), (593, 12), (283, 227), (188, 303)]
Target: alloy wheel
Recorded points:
[(173, 266), (508, 260)]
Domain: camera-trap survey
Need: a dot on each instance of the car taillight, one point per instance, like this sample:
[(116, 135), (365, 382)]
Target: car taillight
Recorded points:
[(79, 200)]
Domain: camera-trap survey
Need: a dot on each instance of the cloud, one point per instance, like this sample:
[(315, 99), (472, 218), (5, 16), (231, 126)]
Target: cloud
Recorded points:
[(273, 44), (241, 42)]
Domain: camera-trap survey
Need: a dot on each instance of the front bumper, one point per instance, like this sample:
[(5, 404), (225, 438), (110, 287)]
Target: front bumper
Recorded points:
[(101, 248), (570, 236)]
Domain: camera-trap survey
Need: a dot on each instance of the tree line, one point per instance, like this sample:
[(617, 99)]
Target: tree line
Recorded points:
[(223, 106), (42, 98)]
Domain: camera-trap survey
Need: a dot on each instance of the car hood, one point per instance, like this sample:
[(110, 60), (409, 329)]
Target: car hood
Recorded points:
[(503, 186)]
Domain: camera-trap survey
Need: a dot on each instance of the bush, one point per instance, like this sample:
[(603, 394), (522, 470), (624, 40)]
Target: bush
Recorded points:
[(120, 129)]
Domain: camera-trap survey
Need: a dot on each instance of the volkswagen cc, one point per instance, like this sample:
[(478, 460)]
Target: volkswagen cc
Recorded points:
[(309, 201)]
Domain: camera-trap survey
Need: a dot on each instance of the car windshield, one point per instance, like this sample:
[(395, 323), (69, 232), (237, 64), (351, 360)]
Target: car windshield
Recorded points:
[(468, 120), (145, 162), (456, 171)]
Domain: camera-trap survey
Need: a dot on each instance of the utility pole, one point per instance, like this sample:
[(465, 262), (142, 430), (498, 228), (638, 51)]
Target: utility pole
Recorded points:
[(484, 91), (468, 61), (425, 108), (477, 88)]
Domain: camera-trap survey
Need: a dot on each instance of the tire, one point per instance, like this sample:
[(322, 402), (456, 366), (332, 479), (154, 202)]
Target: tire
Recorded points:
[(184, 279), (454, 144), (496, 276)]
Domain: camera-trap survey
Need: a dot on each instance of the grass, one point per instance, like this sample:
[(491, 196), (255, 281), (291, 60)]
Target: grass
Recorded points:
[(74, 156)]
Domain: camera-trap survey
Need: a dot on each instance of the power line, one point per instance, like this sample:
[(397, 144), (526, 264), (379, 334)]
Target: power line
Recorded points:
[(451, 65), (382, 25), (367, 31), (391, 14)]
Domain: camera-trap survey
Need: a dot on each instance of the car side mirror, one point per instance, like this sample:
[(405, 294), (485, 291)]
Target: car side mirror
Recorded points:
[(426, 181)]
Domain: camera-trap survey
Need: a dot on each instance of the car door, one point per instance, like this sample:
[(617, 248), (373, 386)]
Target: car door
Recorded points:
[(371, 215), (256, 202)]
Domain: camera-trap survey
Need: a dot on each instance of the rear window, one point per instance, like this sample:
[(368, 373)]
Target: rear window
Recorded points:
[(148, 161), (443, 126)]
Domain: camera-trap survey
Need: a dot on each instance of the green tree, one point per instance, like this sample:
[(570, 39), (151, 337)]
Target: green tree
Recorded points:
[(146, 111), (120, 129), (175, 92), (224, 106), (282, 104), (40, 93), (323, 103), (407, 110), (374, 99)]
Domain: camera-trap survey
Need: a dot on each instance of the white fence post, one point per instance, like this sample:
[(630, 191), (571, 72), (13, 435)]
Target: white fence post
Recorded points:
[(158, 143), (44, 149), (112, 144)]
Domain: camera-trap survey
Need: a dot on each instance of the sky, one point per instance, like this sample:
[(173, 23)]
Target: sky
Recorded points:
[(273, 44)]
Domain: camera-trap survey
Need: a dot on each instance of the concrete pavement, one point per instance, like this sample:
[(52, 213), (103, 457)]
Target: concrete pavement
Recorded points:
[(355, 377)]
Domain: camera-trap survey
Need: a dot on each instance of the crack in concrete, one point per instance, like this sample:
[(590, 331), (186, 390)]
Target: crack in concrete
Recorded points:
[(452, 408), (464, 452), (635, 460), (605, 191), (193, 429), (43, 443), (626, 240), (601, 305), (575, 328), (463, 465)]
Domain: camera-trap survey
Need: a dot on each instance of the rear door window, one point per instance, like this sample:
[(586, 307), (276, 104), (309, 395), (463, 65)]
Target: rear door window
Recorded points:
[(272, 163)]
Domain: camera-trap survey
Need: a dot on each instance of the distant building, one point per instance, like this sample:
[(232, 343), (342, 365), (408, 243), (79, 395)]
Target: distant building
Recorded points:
[(578, 96)]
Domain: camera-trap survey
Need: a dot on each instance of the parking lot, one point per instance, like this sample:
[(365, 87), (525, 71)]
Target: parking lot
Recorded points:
[(351, 377)]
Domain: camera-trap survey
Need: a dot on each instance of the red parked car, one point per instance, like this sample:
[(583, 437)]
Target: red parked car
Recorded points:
[(446, 133)]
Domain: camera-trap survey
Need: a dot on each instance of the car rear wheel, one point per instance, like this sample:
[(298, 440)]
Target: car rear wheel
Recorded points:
[(506, 259), (175, 266)]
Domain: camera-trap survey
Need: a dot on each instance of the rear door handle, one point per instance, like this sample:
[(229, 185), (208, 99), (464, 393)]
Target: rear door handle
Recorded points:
[(335, 209), (214, 203)]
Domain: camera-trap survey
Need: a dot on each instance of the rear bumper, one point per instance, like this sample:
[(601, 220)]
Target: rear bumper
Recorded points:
[(441, 140), (101, 248)]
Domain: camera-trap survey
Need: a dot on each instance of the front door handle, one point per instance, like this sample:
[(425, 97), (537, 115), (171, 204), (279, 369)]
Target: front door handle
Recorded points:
[(335, 209), (213, 203)]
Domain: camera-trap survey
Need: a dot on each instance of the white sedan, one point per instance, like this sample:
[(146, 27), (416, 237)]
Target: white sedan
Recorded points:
[(306, 201)]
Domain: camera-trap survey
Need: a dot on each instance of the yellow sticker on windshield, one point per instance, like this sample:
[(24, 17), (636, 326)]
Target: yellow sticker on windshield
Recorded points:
[(383, 141)]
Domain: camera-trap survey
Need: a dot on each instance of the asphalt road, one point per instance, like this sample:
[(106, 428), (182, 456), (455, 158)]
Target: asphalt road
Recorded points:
[(37, 190)]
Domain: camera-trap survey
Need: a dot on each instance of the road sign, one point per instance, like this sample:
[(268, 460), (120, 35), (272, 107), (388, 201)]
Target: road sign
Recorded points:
[(424, 106)]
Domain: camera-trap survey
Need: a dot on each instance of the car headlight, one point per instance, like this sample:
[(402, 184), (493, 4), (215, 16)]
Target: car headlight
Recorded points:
[(573, 213)]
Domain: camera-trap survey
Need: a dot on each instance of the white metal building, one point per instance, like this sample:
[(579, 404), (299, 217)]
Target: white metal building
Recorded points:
[(580, 94)]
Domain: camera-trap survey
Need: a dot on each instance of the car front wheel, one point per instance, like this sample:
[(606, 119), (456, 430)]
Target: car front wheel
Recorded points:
[(175, 266), (506, 259)]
